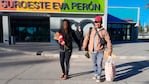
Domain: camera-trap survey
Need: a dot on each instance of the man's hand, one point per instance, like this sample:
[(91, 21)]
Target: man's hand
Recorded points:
[(83, 48), (109, 54)]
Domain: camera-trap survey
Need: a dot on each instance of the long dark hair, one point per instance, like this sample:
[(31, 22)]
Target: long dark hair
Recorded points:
[(69, 30)]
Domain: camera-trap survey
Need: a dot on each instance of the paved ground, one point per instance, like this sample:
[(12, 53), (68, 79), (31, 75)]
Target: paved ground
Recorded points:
[(16, 67), (132, 50)]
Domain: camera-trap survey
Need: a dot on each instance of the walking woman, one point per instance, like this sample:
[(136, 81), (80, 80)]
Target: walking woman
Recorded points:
[(65, 37)]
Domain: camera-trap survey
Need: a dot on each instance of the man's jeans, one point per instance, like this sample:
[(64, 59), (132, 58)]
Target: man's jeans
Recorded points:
[(97, 62)]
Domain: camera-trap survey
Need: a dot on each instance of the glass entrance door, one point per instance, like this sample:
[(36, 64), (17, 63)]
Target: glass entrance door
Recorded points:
[(31, 29), (120, 32), (32, 34)]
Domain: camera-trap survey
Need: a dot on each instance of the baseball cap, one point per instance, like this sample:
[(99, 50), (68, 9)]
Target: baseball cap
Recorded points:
[(98, 19)]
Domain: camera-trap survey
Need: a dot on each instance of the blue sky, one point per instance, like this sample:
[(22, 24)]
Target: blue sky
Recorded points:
[(144, 15)]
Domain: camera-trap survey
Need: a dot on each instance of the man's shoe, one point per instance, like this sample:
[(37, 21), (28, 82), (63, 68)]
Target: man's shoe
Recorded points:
[(94, 78), (98, 79)]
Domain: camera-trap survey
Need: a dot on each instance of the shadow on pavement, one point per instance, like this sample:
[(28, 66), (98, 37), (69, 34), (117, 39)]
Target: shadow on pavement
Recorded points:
[(130, 42), (10, 54), (26, 62), (131, 69), (30, 47), (80, 74)]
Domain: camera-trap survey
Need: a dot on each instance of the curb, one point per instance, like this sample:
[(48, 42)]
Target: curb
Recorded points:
[(76, 56)]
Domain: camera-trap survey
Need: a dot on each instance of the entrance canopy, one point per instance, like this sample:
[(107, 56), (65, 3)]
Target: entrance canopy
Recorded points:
[(123, 15)]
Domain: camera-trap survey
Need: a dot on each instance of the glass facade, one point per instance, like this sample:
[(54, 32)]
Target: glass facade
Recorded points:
[(30, 29), (120, 31)]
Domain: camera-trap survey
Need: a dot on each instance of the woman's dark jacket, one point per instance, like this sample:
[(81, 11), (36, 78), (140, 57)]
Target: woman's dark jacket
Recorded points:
[(69, 37)]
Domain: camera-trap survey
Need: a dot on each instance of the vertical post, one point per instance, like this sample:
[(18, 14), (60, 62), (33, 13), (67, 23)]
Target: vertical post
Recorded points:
[(105, 15), (138, 18), (5, 21), (49, 27)]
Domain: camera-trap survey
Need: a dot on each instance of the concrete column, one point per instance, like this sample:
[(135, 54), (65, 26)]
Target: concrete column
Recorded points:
[(5, 23)]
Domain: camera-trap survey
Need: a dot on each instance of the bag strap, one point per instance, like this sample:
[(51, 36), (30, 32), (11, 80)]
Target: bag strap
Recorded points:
[(98, 34), (90, 30)]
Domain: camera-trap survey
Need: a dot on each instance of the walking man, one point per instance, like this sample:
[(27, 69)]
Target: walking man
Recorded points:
[(96, 45)]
